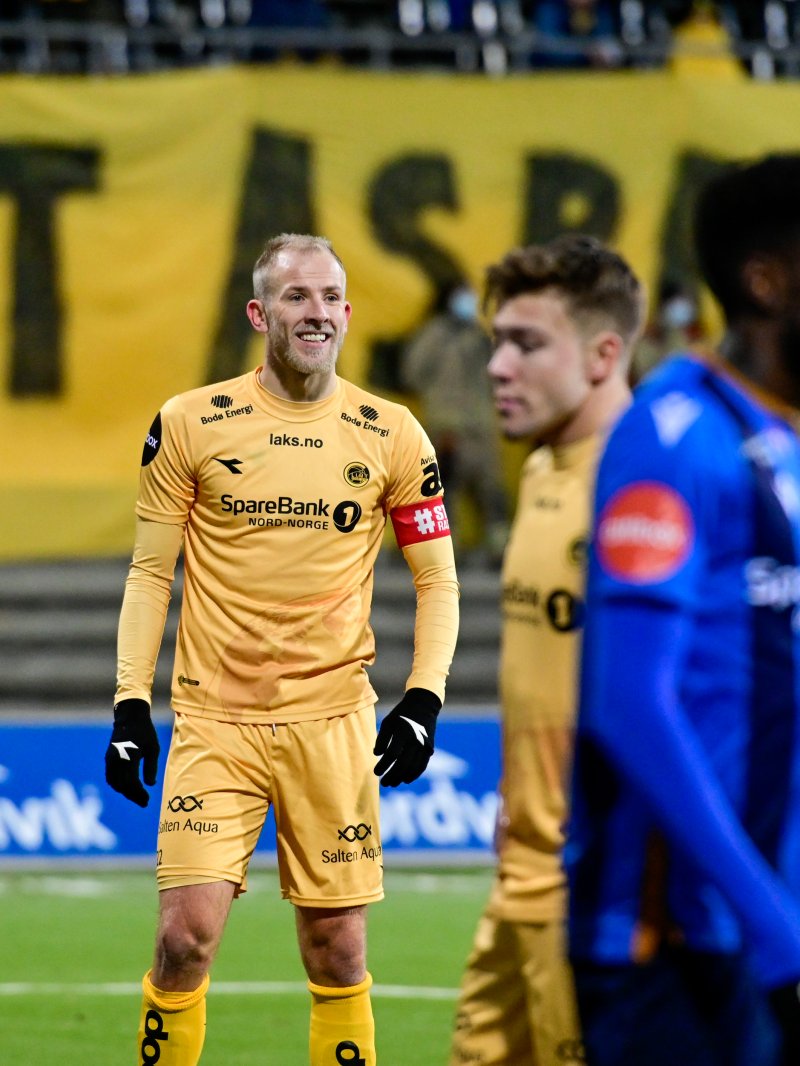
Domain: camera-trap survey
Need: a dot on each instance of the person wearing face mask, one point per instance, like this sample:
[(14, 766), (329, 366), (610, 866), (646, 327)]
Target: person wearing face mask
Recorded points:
[(444, 364)]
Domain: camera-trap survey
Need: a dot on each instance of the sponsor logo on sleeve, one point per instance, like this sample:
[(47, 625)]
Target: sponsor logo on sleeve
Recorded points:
[(432, 482), (152, 442), (416, 522), (645, 533)]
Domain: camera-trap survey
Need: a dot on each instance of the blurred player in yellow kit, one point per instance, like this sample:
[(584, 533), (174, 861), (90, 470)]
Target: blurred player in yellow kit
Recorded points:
[(278, 485), (566, 316)]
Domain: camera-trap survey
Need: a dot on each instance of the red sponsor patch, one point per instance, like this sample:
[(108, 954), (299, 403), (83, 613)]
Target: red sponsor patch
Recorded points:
[(415, 522), (645, 533)]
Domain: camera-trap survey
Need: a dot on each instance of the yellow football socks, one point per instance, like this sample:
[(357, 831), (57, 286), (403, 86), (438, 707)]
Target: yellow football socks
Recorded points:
[(172, 1025), (342, 1031)]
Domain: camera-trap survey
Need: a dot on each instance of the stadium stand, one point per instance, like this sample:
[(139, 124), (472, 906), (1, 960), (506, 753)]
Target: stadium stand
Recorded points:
[(59, 624), (490, 36)]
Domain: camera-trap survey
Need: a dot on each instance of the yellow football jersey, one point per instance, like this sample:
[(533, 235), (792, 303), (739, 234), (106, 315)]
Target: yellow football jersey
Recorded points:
[(543, 586), (284, 507)]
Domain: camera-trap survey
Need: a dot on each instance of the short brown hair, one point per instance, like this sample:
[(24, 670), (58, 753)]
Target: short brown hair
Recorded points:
[(592, 279), (301, 242)]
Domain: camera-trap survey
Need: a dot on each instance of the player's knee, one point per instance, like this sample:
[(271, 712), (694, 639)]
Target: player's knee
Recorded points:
[(181, 946), (333, 948)]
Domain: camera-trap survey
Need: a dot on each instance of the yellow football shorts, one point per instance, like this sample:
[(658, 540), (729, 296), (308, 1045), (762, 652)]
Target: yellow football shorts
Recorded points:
[(221, 779)]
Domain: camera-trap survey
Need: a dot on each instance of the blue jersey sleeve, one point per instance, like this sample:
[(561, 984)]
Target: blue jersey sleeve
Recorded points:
[(633, 712)]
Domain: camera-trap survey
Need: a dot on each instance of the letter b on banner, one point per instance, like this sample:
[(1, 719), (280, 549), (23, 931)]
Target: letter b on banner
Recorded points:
[(564, 193)]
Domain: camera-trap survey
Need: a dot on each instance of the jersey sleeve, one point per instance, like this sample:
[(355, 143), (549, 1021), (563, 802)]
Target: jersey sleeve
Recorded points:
[(415, 505), (167, 485), (144, 607), (651, 497), (631, 708), (436, 626), (166, 496), (415, 497)]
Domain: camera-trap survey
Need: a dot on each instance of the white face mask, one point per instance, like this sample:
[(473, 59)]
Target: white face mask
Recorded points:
[(678, 313), (463, 304)]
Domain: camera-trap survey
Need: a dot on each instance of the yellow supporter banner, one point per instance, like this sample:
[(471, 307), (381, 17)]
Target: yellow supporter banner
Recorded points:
[(132, 210)]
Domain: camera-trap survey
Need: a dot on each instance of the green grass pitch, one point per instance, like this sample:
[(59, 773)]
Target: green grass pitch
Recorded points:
[(75, 946)]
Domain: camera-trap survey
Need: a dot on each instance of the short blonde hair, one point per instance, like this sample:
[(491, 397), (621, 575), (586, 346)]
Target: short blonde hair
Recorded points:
[(301, 242)]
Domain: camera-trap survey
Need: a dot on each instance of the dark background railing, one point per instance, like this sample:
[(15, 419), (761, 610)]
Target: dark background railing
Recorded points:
[(493, 37)]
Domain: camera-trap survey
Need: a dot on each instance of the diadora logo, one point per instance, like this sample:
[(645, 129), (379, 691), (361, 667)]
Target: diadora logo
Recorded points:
[(221, 401), (351, 833), (231, 464), (187, 680), (185, 803), (356, 474), (369, 413), (154, 1033)]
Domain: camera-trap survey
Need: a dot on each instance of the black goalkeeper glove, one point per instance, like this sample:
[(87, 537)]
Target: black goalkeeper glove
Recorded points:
[(785, 1002), (133, 741), (405, 738)]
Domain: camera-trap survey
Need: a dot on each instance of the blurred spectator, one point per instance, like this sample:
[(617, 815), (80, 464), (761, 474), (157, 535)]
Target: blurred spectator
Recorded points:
[(767, 29), (674, 327), (702, 44), (445, 363), (288, 13), (592, 25), (71, 53)]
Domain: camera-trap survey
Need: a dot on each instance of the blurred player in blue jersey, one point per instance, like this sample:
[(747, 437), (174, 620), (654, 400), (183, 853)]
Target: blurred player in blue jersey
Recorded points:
[(684, 847)]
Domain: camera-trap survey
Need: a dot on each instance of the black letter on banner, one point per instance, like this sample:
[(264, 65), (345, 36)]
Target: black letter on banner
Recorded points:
[(36, 176), (276, 199), (678, 259), (565, 194), (400, 193)]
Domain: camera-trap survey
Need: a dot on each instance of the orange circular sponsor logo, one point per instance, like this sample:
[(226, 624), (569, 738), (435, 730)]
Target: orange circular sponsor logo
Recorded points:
[(645, 533)]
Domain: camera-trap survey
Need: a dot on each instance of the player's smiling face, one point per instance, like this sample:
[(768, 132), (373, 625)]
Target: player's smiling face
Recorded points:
[(306, 312), (538, 367)]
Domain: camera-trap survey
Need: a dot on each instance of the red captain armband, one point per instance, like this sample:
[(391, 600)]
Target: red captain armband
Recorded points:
[(416, 522)]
